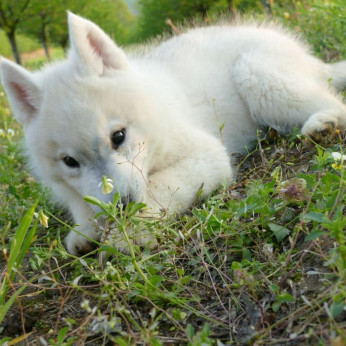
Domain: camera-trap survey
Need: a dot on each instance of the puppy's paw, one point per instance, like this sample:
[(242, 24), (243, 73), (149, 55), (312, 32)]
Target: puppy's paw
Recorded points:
[(77, 245), (116, 239), (323, 127)]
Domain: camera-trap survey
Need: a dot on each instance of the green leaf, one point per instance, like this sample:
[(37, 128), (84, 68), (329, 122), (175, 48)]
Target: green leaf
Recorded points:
[(338, 213), (5, 308), (19, 245), (108, 208), (120, 341), (156, 280), (247, 254), (285, 298), (280, 232), (61, 334), (5, 339), (180, 271), (336, 309), (93, 200), (156, 342), (236, 265), (116, 198), (19, 236), (276, 306), (313, 235), (316, 216), (310, 180), (274, 288), (27, 242), (190, 331), (132, 208), (206, 330)]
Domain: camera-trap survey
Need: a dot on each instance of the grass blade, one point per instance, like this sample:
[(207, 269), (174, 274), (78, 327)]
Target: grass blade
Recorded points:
[(5, 308), (19, 236), (20, 244)]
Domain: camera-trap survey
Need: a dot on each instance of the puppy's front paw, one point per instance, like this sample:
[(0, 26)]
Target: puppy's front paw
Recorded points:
[(76, 244), (322, 127), (116, 239)]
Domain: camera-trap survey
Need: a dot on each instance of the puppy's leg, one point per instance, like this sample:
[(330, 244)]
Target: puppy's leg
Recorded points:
[(324, 123), (201, 171), (75, 242), (174, 188), (337, 74), (282, 94)]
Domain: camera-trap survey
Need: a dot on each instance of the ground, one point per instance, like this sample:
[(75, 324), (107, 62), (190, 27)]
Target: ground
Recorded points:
[(260, 262)]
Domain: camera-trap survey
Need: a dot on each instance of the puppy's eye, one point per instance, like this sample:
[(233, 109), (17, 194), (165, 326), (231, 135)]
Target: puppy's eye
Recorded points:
[(70, 162), (117, 138)]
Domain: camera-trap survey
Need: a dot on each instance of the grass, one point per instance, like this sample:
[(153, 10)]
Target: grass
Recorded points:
[(262, 262), (21, 241), (25, 44)]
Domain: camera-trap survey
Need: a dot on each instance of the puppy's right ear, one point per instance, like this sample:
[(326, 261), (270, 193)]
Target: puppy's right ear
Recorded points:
[(22, 92), (93, 50)]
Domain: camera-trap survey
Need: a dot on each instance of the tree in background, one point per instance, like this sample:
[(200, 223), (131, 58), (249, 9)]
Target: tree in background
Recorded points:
[(154, 13), (113, 16), (40, 14), (11, 16), (46, 21), (49, 20)]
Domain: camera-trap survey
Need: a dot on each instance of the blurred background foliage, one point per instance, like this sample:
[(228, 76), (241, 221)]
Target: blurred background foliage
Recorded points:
[(40, 25)]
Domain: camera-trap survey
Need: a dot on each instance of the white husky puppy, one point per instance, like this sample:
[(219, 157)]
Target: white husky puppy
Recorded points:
[(163, 124)]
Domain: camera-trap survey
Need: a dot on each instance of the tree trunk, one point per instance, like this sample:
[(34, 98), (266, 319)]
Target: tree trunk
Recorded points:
[(64, 43), (44, 41), (267, 6), (12, 38), (231, 6)]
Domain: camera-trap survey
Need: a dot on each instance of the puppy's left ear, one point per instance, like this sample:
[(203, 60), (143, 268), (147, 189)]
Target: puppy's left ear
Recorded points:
[(94, 50), (22, 91)]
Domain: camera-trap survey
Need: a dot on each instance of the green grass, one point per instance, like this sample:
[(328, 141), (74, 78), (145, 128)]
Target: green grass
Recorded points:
[(25, 44), (261, 262), (21, 241)]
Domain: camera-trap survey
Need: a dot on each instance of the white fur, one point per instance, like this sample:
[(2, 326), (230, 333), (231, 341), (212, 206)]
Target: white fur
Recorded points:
[(172, 102)]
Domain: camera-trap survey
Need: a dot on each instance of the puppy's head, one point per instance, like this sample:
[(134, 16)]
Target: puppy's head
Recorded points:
[(85, 117)]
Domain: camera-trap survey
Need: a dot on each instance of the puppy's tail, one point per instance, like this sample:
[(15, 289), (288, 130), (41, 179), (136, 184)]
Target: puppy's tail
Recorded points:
[(337, 74)]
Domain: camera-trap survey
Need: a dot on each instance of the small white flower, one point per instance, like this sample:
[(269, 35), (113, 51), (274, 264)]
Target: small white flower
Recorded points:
[(338, 157), (107, 185), (86, 305), (43, 218), (10, 132), (339, 160)]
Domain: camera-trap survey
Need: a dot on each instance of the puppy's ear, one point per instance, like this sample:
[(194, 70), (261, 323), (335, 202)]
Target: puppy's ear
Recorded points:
[(22, 92), (93, 48)]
